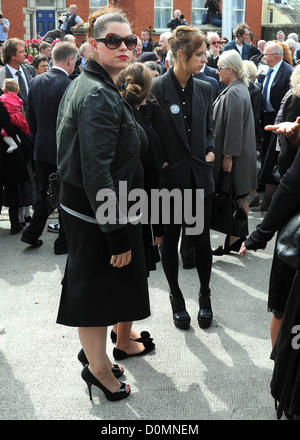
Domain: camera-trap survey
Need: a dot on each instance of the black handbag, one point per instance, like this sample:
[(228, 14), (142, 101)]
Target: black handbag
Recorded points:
[(227, 215), (53, 192), (288, 242)]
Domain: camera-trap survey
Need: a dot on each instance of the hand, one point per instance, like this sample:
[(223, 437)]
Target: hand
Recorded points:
[(121, 260), (243, 249), (210, 157), (157, 241), (164, 165), (215, 50), (227, 164), (286, 128)]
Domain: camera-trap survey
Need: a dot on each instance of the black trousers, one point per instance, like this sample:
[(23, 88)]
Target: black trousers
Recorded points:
[(41, 213), (202, 251)]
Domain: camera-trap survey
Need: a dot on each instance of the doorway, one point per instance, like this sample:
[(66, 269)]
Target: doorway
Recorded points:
[(45, 21)]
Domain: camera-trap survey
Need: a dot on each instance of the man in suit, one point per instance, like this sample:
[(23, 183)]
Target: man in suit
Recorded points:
[(214, 49), (13, 57), (275, 86), (44, 97), (147, 45), (241, 32), (210, 72), (210, 79)]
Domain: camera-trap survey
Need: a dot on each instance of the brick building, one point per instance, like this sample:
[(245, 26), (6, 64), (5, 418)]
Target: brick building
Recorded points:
[(31, 18)]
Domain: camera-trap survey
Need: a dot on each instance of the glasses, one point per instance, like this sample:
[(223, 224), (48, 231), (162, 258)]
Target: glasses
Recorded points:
[(223, 42), (274, 53), (215, 42), (113, 41), (220, 68)]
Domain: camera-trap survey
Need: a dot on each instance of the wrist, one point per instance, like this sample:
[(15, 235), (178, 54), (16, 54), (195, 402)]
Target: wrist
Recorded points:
[(227, 155)]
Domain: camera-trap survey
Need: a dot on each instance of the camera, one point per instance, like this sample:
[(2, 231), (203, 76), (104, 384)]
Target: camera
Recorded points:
[(1, 16), (63, 17), (181, 17)]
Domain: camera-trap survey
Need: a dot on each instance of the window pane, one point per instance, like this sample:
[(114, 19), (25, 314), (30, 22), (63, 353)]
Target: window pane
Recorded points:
[(98, 3), (198, 4), (45, 3), (237, 17), (163, 12), (238, 4)]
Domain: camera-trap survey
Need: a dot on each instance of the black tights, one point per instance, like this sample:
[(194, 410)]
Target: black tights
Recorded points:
[(202, 251)]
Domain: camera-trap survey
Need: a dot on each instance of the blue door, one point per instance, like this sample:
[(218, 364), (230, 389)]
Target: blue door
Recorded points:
[(45, 21)]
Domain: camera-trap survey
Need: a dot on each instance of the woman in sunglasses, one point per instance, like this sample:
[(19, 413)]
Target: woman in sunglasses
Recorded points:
[(183, 121), (105, 280)]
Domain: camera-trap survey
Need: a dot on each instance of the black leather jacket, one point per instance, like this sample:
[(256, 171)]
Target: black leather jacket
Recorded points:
[(98, 143)]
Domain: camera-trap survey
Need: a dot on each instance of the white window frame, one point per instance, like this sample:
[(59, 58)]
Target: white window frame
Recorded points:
[(157, 10), (235, 10), (198, 12)]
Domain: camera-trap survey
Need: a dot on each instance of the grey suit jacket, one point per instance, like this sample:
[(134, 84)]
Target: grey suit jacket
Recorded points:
[(29, 72)]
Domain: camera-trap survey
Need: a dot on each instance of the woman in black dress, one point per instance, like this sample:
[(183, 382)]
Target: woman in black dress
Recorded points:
[(182, 119), (285, 383), (134, 84), (12, 172), (105, 279)]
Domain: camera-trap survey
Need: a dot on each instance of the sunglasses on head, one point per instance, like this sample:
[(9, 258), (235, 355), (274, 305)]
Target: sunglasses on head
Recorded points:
[(113, 41)]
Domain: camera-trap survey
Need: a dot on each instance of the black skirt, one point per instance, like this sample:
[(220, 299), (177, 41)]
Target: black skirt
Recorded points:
[(94, 293)]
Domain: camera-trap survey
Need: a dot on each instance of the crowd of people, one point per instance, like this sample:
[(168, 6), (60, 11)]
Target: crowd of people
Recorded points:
[(185, 113)]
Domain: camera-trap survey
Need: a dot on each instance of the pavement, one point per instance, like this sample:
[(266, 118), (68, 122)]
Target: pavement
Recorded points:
[(221, 373)]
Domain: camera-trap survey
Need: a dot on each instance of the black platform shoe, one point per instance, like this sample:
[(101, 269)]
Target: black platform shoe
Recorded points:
[(205, 314), (181, 317)]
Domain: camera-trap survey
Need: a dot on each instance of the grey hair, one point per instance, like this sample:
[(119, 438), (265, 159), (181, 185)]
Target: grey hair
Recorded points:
[(251, 69), (63, 50), (294, 36), (231, 58)]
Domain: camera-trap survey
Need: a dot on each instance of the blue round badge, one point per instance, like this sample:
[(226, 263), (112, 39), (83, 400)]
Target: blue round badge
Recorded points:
[(175, 109)]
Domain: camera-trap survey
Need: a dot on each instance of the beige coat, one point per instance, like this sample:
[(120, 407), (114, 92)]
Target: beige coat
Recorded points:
[(235, 136)]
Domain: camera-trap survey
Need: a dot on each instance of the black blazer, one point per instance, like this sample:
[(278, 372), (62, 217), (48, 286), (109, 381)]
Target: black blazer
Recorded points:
[(44, 97), (280, 85), (185, 158)]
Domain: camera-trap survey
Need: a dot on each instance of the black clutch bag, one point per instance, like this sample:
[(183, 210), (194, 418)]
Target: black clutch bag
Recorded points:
[(288, 242), (53, 192)]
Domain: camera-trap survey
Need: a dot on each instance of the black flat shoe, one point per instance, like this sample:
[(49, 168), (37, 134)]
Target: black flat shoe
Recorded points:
[(226, 249), (205, 315), (121, 354), (117, 370), (90, 380), (181, 317), (15, 230), (144, 335), (34, 242)]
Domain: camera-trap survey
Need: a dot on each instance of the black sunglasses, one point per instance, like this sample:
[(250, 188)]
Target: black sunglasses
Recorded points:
[(113, 41)]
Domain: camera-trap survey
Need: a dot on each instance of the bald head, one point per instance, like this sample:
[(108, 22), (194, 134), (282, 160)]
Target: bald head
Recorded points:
[(273, 53)]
